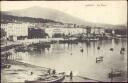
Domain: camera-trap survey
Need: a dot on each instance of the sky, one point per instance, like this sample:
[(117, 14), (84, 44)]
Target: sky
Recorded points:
[(109, 12)]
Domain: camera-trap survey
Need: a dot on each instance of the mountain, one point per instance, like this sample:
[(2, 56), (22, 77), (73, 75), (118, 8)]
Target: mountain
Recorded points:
[(52, 14), (46, 13)]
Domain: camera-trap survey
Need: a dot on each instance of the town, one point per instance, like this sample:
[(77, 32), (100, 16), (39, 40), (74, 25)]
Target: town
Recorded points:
[(34, 36), (44, 50), (22, 31)]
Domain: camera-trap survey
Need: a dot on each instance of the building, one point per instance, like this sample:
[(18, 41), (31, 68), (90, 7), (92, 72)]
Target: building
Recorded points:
[(97, 30), (66, 31), (15, 29)]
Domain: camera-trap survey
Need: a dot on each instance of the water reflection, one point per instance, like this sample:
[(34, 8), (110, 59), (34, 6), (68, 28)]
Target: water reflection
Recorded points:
[(66, 57)]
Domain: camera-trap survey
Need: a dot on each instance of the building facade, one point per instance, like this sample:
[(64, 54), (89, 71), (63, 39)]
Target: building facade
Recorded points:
[(65, 31), (15, 29)]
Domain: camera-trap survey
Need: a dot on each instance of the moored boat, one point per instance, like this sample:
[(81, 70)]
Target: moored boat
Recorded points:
[(68, 41), (54, 78)]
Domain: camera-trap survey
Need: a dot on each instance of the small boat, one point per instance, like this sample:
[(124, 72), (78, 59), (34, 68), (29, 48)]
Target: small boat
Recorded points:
[(5, 65), (98, 47), (111, 49), (99, 59), (88, 39), (122, 49), (54, 78), (114, 74), (121, 52), (68, 41), (93, 39)]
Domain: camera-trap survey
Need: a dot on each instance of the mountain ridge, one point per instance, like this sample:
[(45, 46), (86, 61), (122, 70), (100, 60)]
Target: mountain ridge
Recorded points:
[(53, 14)]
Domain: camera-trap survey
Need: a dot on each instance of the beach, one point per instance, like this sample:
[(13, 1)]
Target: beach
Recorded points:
[(20, 72)]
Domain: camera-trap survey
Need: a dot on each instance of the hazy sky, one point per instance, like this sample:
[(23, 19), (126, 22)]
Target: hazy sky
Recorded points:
[(110, 12)]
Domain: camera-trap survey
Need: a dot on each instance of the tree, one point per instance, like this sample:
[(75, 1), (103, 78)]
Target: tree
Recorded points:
[(2, 33)]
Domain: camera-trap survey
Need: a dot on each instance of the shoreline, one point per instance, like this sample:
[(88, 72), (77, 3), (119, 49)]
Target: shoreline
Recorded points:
[(25, 64), (43, 69), (21, 72)]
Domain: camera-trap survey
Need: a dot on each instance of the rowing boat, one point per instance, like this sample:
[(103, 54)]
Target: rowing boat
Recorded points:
[(54, 78)]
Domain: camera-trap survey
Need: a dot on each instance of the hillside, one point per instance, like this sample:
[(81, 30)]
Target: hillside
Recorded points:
[(12, 19), (46, 13), (56, 16)]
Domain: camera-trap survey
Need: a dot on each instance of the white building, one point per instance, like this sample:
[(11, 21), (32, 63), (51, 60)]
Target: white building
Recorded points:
[(16, 29), (66, 31), (97, 30)]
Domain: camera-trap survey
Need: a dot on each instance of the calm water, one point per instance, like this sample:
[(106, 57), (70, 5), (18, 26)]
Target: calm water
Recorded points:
[(67, 57)]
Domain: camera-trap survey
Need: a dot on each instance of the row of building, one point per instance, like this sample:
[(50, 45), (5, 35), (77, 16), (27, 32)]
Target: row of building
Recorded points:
[(34, 30)]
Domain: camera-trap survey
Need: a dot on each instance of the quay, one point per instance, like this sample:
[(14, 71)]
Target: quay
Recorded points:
[(9, 45), (31, 41)]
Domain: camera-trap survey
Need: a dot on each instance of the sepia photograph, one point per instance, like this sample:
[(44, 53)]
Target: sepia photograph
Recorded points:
[(63, 41)]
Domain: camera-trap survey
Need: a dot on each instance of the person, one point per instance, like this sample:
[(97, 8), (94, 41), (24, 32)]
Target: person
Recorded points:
[(49, 71), (54, 72), (71, 75), (82, 50), (31, 73), (120, 51)]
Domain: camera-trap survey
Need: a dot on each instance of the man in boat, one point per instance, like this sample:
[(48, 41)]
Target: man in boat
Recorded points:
[(71, 75)]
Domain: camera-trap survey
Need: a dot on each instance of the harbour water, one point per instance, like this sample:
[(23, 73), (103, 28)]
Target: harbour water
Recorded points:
[(69, 57)]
